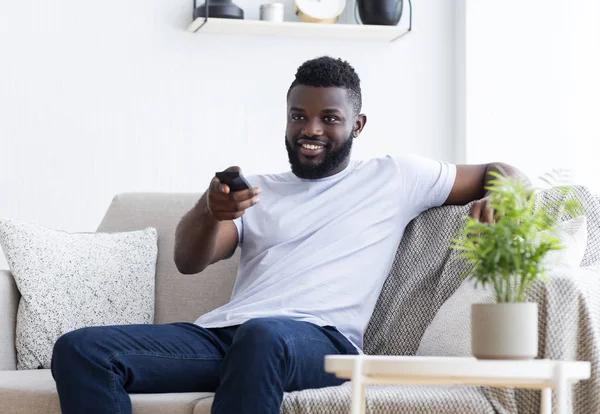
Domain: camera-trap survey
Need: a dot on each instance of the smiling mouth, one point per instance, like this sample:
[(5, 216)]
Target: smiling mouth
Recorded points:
[(312, 146), (310, 149)]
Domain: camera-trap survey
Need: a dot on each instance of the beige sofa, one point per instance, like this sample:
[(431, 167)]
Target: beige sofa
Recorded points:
[(178, 298), (422, 278)]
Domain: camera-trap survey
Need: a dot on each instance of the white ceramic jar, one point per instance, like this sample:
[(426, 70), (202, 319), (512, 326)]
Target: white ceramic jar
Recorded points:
[(271, 12)]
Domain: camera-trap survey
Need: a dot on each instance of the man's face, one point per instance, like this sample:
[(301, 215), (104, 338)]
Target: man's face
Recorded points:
[(320, 128)]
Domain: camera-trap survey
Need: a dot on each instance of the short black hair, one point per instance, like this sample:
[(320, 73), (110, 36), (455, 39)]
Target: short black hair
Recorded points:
[(328, 72)]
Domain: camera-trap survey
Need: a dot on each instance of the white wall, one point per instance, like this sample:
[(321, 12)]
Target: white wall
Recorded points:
[(533, 85), (98, 98)]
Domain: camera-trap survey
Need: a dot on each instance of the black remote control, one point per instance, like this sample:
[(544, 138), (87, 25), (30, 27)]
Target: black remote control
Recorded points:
[(234, 180)]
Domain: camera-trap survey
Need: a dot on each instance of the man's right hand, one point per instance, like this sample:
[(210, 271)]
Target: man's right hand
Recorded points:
[(226, 205)]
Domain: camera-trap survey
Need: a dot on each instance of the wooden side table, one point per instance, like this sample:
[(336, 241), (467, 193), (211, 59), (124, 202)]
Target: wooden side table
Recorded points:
[(543, 374)]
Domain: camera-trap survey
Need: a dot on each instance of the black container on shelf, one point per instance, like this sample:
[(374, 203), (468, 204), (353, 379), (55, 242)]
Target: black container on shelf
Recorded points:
[(380, 12), (224, 9)]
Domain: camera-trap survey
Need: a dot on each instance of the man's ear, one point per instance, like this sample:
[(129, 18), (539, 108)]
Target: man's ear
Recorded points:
[(359, 124)]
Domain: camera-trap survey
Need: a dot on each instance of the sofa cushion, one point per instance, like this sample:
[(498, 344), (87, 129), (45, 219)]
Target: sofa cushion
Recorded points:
[(34, 391), (383, 399), (72, 280), (203, 406)]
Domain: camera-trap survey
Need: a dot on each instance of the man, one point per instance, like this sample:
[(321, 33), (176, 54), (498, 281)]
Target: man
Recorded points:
[(317, 244)]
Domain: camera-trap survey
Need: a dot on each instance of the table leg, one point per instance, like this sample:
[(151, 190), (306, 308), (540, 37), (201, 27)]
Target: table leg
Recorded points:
[(363, 398), (546, 402), (561, 388), (358, 389)]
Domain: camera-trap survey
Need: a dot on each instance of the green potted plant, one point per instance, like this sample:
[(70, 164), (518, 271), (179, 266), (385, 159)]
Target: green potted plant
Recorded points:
[(507, 256)]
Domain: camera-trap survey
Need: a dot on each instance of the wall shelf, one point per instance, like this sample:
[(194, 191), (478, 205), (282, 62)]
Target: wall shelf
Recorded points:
[(340, 31)]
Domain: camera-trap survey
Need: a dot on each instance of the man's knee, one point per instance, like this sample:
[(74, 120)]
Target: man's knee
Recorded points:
[(74, 340), (74, 345), (266, 334)]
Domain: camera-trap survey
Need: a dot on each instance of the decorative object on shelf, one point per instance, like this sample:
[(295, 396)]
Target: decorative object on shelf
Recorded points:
[(509, 255), (380, 12), (224, 9), (272, 12), (319, 11)]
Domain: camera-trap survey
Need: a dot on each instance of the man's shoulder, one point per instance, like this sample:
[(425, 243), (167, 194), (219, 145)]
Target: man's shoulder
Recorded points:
[(414, 162), (410, 167), (398, 162), (379, 161)]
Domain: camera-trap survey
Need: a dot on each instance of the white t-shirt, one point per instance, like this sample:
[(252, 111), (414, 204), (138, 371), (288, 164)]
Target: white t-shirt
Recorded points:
[(320, 250)]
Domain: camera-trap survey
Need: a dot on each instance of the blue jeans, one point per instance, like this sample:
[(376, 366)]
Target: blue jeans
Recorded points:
[(248, 366)]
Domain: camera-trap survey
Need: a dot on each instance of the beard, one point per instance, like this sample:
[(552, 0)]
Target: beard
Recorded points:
[(332, 160)]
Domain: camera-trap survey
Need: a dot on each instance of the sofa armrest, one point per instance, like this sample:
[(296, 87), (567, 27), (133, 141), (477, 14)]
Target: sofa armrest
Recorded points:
[(569, 328), (9, 302), (570, 314)]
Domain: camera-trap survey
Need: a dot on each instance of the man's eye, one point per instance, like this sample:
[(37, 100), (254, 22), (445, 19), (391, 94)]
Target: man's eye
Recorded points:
[(331, 118), (297, 117)]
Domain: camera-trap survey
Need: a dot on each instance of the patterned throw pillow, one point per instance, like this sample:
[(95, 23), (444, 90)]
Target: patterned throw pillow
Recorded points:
[(72, 280)]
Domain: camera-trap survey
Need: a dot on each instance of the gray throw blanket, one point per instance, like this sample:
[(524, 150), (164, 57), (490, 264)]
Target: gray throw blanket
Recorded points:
[(424, 275)]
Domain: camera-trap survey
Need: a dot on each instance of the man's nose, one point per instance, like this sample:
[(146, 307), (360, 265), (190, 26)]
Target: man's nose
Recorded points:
[(313, 128)]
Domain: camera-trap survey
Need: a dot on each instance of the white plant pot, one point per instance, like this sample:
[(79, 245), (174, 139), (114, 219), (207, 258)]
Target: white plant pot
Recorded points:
[(504, 330)]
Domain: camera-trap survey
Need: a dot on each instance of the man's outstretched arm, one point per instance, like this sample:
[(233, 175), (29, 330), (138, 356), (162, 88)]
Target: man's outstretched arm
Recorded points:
[(470, 185), (207, 233)]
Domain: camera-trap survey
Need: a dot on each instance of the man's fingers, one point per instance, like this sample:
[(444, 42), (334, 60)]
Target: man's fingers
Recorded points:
[(476, 210), (481, 212), (246, 194), (225, 197), (216, 186), (488, 215), (234, 206), (238, 201), (227, 205)]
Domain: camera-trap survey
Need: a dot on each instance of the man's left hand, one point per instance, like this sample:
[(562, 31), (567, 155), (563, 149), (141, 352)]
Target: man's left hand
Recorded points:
[(480, 211)]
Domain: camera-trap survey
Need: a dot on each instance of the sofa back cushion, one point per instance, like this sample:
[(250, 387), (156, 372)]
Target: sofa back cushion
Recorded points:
[(178, 297)]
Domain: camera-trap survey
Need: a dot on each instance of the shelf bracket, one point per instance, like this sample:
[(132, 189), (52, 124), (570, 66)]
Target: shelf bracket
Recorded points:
[(409, 23), (206, 9)]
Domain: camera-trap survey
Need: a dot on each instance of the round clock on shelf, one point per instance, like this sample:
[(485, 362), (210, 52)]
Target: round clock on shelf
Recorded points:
[(319, 11)]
